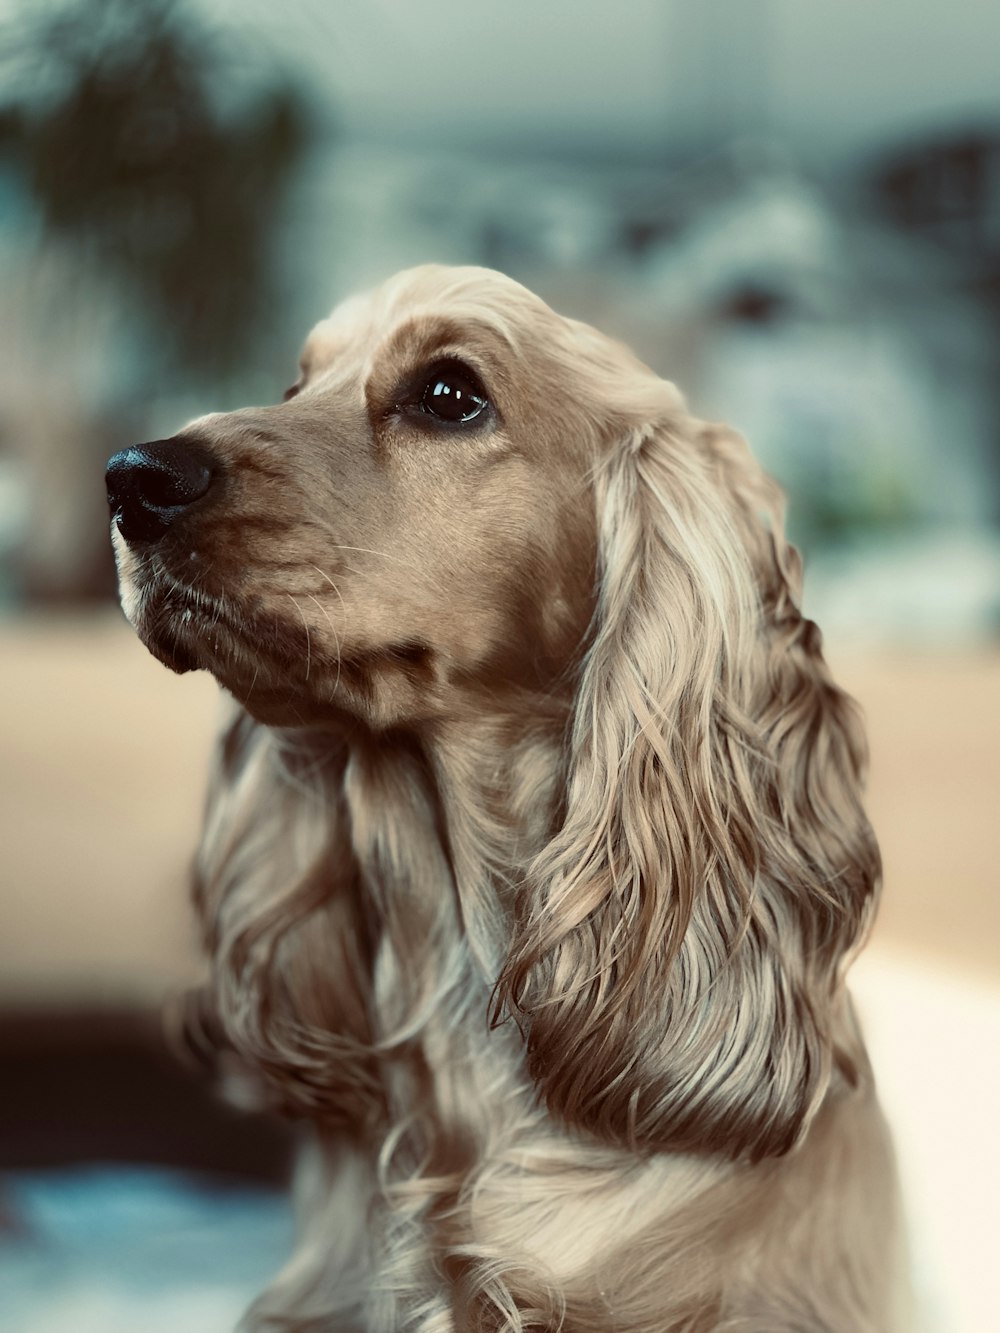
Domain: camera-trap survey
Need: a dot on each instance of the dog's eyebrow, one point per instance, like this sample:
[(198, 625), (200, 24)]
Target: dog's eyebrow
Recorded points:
[(478, 339)]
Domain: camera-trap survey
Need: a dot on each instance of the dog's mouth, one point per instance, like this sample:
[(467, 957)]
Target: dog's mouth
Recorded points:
[(183, 631), (284, 672), (188, 630)]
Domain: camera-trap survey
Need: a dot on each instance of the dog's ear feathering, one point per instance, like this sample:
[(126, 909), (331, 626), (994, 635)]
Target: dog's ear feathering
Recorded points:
[(275, 886), (303, 940), (679, 944)]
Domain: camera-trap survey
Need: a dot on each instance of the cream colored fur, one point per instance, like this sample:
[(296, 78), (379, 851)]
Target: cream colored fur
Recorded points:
[(534, 855)]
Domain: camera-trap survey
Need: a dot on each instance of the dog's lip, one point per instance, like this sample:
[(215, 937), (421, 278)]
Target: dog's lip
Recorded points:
[(162, 629), (188, 610), (187, 631), (181, 633)]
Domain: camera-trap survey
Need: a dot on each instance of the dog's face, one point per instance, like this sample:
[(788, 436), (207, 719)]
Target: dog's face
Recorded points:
[(408, 526)]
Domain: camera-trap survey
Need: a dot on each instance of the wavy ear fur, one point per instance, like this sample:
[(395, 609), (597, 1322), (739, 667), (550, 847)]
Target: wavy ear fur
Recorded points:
[(276, 887), (680, 943)]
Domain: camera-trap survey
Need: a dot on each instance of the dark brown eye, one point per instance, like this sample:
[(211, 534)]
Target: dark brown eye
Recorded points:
[(452, 393), (290, 392)]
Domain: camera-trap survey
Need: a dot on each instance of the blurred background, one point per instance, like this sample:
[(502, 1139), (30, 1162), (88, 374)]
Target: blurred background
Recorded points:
[(793, 210)]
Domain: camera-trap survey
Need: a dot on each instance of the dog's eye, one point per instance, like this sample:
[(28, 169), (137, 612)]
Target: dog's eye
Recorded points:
[(291, 392), (452, 393)]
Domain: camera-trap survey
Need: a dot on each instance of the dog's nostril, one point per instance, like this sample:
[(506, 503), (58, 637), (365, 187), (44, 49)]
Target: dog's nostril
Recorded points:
[(151, 485)]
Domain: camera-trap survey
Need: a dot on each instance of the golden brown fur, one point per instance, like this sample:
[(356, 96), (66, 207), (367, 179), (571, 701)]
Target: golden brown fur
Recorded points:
[(534, 855)]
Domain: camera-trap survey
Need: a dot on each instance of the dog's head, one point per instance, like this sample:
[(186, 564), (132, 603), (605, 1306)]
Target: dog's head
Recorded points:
[(411, 523), (467, 503)]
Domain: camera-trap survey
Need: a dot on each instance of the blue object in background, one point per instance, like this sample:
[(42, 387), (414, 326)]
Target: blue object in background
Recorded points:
[(101, 1249)]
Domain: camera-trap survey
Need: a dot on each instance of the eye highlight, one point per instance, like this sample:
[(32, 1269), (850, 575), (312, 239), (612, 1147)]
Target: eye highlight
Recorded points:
[(452, 392)]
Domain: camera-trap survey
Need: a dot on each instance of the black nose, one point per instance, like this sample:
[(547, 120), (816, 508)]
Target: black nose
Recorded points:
[(151, 485)]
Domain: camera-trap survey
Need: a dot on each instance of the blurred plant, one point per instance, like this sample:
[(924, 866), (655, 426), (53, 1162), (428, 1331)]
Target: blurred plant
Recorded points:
[(119, 129)]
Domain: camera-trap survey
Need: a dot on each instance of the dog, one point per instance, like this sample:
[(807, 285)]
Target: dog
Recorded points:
[(534, 855)]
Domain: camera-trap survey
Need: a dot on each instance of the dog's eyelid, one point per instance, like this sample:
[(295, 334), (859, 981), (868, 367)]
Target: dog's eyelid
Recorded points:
[(444, 362)]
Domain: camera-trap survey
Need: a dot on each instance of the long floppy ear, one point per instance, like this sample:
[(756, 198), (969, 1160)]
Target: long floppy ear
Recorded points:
[(276, 888), (680, 943)]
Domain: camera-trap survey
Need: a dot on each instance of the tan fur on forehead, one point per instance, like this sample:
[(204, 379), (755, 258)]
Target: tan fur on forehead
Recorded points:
[(477, 294), (460, 289)]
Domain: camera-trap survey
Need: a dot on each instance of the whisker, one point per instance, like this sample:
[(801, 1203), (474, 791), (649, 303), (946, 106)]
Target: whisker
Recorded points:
[(308, 635), (324, 575), (411, 567), (333, 631)]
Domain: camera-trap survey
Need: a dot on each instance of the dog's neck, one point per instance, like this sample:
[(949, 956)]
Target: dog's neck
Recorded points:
[(442, 829), (445, 824)]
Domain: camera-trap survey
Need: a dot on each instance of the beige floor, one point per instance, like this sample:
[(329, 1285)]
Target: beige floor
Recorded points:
[(102, 762)]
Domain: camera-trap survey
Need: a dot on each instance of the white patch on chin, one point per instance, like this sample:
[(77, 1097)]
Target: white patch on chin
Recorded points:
[(127, 564)]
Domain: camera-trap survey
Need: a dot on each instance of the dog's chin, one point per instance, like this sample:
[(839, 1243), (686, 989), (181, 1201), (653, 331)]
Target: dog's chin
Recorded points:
[(167, 631), (189, 642), (265, 667), (171, 653)]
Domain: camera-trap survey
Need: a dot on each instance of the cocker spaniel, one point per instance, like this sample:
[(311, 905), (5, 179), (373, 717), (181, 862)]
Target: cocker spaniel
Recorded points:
[(534, 855)]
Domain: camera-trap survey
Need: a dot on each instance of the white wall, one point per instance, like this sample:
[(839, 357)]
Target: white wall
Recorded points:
[(832, 78)]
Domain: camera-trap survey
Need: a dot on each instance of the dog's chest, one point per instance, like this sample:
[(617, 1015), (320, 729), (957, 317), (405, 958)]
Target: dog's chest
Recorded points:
[(500, 1178)]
